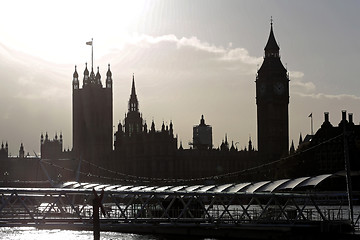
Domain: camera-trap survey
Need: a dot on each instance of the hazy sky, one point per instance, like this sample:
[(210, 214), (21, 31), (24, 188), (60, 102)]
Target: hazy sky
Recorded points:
[(189, 58)]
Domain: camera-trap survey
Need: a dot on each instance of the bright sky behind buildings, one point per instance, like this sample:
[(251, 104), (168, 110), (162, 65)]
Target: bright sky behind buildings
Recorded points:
[(189, 58)]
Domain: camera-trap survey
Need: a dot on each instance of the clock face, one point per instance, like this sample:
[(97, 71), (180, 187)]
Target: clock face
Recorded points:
[(279, 88)]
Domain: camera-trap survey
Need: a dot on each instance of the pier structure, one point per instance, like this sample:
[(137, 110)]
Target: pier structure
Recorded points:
[(227, 210)]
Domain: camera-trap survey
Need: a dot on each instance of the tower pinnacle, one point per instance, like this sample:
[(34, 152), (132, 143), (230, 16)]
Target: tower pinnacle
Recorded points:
[(271, 48), (133, 102), (108, 78), (133, 92)]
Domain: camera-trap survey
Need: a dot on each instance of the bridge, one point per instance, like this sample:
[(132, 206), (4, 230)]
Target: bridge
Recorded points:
[(278, 208)]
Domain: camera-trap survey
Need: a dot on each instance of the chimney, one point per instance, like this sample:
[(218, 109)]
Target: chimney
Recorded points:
[(326, 116), (326, 123), (343, 121), (351, 118), (343, 115)]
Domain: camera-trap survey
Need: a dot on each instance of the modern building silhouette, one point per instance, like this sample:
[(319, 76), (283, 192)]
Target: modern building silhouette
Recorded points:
[(202, 135)]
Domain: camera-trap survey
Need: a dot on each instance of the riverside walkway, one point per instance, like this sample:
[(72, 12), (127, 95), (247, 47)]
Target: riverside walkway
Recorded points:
[(228, 210)]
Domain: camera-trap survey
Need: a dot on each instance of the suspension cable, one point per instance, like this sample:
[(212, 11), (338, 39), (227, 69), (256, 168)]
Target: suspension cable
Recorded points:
[(136, 179)]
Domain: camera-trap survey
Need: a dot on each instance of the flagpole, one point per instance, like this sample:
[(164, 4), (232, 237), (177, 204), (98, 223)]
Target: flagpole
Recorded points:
[(92, 53), (312, 128)]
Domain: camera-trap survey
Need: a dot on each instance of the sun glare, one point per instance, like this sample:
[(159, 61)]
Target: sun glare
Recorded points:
[(30, 233), (56, 31)]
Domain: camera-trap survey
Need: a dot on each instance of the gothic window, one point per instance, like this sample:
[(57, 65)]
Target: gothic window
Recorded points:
[(133, 107)]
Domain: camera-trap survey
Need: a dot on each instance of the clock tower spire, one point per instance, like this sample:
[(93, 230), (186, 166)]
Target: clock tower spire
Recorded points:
[(272, 100)]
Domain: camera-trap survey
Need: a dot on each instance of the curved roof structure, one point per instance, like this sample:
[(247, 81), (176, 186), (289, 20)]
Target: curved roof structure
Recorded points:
[(232, 188), (292, 183), (271, 186)]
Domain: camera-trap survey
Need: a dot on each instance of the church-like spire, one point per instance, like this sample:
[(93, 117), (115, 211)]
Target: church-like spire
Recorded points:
[(271, 48), (145, 128), (152, 126), (181, 147), (133, 91), (250, 144), (108, 78), (292, 148), (86, 71), (133, 102), (163, 127), (98, 77), (109, 74), (75, 75), (232, 148), (75, 79), (21, 151), (92, 76), (202, 120), (171, 130), (86, 76)]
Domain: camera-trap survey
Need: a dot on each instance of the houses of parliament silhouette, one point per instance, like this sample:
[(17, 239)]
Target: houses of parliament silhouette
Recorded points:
[(139, 151)]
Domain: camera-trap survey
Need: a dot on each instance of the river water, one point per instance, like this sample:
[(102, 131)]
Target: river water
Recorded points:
[(30, 233)]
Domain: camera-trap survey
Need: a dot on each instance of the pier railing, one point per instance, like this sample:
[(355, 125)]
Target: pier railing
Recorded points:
[(44, 206)]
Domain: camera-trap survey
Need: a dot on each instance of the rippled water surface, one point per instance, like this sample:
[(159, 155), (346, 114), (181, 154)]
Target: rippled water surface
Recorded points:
[(26, 233)]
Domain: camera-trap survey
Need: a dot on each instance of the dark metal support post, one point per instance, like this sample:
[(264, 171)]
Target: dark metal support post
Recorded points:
[(96, 218), (348, 175)]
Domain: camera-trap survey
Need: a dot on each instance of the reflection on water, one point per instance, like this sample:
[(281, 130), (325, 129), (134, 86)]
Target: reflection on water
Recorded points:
[(30, 233), (26, 233)]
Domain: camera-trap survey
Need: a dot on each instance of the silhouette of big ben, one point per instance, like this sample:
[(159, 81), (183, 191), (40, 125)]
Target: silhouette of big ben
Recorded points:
[(272, 100)]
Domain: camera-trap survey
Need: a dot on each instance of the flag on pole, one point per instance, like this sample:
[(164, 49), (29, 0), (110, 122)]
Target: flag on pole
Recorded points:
[(310, 115), (92, 52)]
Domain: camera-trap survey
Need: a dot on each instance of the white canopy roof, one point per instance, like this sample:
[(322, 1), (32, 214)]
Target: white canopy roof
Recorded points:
[(248, 187)]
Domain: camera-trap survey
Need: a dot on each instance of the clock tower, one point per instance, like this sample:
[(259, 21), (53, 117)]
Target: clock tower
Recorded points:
[(272, 100)]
